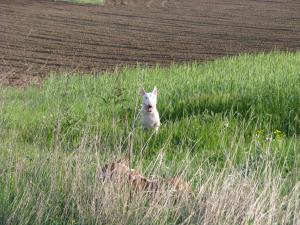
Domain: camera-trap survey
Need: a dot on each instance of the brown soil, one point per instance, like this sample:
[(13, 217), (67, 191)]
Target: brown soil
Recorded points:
[(38, 36)]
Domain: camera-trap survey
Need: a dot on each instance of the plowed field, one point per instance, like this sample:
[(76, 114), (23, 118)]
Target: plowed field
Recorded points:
[(38, 36)]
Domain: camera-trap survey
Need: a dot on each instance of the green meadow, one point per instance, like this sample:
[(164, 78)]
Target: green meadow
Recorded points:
[(230, 128)]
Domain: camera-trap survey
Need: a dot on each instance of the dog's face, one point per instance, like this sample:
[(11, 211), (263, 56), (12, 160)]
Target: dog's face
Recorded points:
[(118, 168), (149, 99)]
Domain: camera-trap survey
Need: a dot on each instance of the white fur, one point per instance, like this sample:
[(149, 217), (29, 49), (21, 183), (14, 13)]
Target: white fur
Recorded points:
[(149, 114)]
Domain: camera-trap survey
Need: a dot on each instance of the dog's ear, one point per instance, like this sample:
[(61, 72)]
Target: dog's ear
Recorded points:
[(155, 90), (126, 160), (142, 92)]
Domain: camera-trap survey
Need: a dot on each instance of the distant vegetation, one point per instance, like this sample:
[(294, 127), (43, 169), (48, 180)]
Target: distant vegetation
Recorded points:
[(230, 127)]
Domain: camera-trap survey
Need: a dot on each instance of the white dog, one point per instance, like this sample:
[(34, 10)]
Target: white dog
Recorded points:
[(149, 114)]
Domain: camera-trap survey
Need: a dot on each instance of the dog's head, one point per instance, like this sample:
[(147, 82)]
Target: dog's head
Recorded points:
[(119, 168), (149, 99)]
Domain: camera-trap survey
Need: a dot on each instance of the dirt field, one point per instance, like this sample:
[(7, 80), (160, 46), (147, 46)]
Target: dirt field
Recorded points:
[(37, 36)]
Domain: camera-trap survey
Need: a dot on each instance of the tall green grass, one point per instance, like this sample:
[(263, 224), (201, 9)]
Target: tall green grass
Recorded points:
[(230, 127)]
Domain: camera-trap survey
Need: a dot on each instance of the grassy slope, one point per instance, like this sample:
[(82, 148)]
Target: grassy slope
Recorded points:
[(215, 119)]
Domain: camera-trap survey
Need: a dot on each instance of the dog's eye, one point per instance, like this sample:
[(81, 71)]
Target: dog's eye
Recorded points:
[(146, 97)]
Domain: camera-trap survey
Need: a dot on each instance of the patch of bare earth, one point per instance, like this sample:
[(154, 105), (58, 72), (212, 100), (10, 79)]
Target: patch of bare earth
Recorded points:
[(38, 36)]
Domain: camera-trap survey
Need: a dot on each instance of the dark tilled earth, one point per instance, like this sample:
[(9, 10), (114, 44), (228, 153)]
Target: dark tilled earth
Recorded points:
[(38, 36)]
